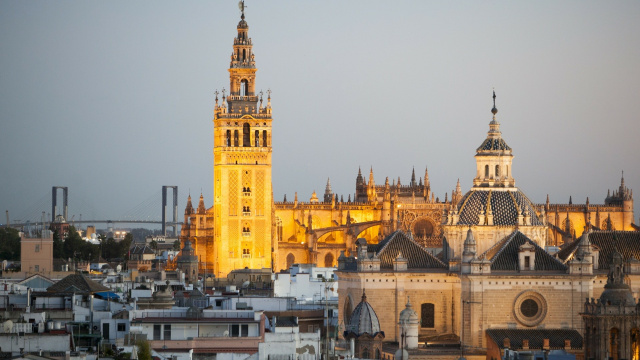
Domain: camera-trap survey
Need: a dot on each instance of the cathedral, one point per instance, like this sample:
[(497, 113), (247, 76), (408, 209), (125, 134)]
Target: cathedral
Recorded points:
[(246, 227), (489, 269)]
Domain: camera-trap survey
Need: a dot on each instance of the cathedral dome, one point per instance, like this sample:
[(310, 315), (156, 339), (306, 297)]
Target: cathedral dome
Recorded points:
[(505, 206), (616, 291), (364, 319)]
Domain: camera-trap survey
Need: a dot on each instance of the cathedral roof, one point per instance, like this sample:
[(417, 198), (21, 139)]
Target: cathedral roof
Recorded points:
[(506, 205), (504, 255), (364, 319), (536, 337), (627, 243), (398, 242)]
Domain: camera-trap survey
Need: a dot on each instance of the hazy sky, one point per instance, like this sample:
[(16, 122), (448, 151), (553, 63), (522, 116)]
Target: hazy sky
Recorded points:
[(115, 99)]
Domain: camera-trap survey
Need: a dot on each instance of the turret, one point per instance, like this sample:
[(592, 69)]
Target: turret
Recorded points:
[(386, 202)]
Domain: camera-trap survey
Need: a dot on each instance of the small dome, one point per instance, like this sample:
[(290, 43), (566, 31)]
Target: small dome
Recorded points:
[(505, 205), (364, 319), (408, 315), (493, 144), (401, 354), (616, 291)]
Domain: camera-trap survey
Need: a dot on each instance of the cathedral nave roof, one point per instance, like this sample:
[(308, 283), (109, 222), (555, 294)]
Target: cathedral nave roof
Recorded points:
[(627, 243), (400, 243)]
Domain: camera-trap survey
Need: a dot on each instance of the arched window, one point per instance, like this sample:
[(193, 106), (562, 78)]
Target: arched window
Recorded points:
[(257, 138), (238, 55), (614, 344), (246, 135), (244, 54), (377, 354), (235, 137), (348, 309), (279, 228), (427, 315), (264, 138), (244, 87), (365, 353), (290, 260), (497, 170), (422, 228), (328, 260), (228, 138), (486, 171)]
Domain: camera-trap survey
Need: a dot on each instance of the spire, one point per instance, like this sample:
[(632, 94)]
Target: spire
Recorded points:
[(188, 210), (328, 194), (359, 178), (458, 188), (371, 177), (494, 125), (426, 176), (413, 177), (494, 157), (201, 208)]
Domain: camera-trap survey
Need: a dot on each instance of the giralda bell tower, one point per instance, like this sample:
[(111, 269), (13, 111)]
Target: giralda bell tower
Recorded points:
[(242, 194)]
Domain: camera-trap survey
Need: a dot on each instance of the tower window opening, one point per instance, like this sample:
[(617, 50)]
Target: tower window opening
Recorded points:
[(257, 138), (235, 137), (264, 138), (486, 171), (244, 87), (238, 54), (497, 170), (246, 253), (246, 135), (228, 138), (244, 55), (246, 231), (246, 210)]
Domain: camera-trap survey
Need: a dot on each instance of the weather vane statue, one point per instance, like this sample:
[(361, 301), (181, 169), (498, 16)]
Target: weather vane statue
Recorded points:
[(241, 6)]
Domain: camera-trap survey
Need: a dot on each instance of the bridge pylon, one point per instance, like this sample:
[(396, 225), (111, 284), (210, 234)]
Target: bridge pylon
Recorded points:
[(54, 202), (175, 209)]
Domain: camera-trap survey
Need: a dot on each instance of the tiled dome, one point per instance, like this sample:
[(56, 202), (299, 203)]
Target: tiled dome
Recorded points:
[(364, 319), (505, 205)]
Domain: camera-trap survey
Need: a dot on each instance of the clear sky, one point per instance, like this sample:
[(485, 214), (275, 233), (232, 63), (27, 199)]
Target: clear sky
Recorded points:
[(115, 98)]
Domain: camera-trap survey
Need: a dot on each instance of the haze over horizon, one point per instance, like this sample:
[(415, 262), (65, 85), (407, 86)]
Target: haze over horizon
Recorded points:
[(115, 99)]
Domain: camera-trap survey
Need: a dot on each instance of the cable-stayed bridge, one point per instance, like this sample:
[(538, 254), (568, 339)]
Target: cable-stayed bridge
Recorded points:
[(152, 210)]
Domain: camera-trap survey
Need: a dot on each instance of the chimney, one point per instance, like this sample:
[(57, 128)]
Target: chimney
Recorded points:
[(545, 344), (525, 344), (506, 343), (567, 344)]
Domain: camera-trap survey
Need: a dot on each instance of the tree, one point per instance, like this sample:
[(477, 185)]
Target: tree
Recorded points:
[(58, 246), (144, 350), (9, 244), (124, 245), (176, 245), (72, 244), (154, 245)]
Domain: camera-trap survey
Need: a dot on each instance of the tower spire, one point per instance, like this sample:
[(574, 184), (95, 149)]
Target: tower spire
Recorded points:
[(413, 177)]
